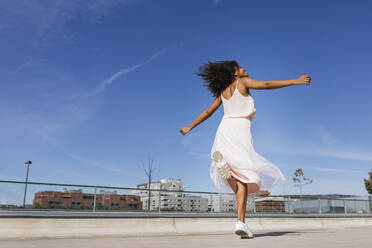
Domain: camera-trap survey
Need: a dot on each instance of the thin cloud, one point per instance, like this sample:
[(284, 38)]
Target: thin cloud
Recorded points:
[(33, 62), (155, 55), (325, 136), (69, 110), (102, 86), (342, 154), (332, 169), (189, 139), (42, 21), (21, 67), (200, 154), (326, 146), (335, 148), (102, 165)]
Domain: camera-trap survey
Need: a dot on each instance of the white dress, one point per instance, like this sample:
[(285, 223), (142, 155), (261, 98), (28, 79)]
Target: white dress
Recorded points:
[(234, 140)]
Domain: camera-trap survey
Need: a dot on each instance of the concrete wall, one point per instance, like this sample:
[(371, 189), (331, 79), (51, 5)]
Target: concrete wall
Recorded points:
[(25, 228)]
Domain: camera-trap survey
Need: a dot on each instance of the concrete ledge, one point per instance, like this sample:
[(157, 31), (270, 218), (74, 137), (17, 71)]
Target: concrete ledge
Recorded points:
[(163, 214), (30, 228)]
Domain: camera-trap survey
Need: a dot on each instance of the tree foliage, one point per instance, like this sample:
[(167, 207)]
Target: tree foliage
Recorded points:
[(368, 183), (300, 180)]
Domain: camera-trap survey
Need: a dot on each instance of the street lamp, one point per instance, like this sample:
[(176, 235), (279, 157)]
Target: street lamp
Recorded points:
[(28, 162)]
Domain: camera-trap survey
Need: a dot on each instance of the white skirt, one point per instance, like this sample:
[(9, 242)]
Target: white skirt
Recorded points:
[(234, 140)]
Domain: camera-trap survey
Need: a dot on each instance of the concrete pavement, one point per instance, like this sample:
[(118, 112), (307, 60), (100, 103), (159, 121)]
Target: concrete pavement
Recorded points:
[(358, 237), (61, 227)]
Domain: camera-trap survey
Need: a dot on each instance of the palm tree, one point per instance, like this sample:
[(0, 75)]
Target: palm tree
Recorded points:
[(300, 180), (368, 183)]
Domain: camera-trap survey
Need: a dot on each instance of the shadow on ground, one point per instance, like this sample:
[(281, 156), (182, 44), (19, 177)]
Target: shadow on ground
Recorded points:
[(288, 233), (273, 234)]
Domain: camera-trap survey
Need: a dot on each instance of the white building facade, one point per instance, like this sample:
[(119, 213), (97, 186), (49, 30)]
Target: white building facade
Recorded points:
[(169, 201)]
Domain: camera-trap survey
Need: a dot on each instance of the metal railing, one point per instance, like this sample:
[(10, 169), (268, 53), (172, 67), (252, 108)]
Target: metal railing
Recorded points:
[(51, 196)]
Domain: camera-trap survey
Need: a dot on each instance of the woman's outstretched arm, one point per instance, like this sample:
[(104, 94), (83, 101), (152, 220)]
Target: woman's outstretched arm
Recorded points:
[(203, 116), (274, 84)]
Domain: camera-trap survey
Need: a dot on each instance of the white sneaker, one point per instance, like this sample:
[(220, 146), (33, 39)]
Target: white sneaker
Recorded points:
[(250, 234), (242, 230), (222, 167)]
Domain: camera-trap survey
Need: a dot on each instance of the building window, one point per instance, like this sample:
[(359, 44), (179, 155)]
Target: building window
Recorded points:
[(133, 206)]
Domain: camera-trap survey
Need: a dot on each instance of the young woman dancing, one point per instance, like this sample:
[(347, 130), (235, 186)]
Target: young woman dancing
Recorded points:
[(236, 166)]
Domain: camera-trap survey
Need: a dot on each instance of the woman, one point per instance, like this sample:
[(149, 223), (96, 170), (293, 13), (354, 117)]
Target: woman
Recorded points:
[(235, 165)]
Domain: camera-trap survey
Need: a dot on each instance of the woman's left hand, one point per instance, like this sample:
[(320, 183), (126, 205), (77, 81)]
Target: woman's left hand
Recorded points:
[(185, 130)]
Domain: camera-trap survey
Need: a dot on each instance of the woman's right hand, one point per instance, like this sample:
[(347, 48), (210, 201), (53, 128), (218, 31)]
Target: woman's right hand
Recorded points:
[(304, 79), (185, 130), (251, 116)]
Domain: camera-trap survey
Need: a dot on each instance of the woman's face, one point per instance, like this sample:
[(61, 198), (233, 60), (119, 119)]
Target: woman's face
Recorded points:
[(240, 71)]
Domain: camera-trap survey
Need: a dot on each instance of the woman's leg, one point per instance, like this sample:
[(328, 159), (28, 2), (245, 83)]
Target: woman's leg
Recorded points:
[(243, 189), (232, 183), (241, 197), (252, 188)]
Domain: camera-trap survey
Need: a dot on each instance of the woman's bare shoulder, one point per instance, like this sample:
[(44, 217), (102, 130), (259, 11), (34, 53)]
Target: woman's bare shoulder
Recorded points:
[(254, 84), (245, 82)]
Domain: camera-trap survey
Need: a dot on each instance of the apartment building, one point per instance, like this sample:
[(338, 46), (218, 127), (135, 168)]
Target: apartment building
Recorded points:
[(78, 199), (169, 201)]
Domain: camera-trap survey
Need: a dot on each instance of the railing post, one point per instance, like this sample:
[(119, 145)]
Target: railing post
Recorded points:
[(254, 203), (24, 197), (159, 200), (355, 206), (345, 209), (320, 206), (94, 201)]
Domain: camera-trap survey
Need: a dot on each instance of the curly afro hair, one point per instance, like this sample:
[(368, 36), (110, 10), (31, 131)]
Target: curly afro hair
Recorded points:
[(218, 75)]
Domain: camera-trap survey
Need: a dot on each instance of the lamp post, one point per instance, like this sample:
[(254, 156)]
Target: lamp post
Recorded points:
[(28, 162)]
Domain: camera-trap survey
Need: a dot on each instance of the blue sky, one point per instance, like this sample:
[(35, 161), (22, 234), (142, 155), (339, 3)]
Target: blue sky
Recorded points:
[(89, 89)]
